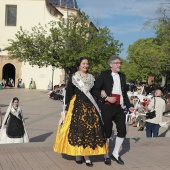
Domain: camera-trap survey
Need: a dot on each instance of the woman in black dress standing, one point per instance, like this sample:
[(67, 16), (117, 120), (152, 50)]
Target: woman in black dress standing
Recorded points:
[(82, 132), (13, 126)]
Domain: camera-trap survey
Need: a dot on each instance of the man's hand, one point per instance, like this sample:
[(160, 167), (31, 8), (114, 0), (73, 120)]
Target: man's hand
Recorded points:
[(111, 99), (103, 94), (131, 109)]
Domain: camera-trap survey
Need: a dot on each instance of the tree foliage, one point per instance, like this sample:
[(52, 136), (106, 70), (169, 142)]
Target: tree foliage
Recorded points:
[(144, 58), (61, 43), (150, 56)]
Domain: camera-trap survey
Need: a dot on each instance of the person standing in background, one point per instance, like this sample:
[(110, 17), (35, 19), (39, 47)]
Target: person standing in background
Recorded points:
[(159, 105)]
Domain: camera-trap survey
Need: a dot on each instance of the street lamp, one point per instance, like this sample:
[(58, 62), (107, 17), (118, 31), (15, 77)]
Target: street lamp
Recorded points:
[(53, 68), (167, 75)]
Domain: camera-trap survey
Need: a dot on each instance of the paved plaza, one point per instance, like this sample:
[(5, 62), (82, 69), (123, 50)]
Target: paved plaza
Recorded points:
[(42, 115)]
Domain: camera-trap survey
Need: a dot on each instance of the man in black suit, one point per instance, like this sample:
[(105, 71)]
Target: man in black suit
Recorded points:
[(113, 83)]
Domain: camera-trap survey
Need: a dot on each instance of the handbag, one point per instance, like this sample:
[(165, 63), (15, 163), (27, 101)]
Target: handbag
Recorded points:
[(151, 115)]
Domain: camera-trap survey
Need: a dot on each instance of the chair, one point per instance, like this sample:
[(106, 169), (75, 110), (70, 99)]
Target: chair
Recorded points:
[(128, 117)]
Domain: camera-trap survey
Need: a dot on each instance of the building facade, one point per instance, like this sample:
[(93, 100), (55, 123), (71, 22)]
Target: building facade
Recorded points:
[(29, 13)]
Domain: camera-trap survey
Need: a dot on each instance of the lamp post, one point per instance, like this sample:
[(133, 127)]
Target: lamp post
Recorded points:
[(53, 68), (167, 75), (165, 72)]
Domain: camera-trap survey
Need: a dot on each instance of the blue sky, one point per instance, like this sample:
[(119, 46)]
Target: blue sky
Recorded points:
[(125, 18)]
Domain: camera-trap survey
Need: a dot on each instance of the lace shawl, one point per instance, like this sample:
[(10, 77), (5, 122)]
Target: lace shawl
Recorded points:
[(16, 111), (85, 85)]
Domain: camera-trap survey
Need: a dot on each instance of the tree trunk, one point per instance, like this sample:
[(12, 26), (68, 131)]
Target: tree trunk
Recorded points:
[(66, 75), (163, 80)]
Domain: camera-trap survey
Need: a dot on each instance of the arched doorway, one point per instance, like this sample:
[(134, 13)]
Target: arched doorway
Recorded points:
[(8, 72)]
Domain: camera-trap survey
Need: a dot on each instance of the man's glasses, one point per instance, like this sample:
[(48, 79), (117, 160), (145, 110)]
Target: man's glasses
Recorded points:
[(117, 63)]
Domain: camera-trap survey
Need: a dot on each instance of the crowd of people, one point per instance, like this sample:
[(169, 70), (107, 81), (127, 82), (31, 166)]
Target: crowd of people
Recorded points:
[(10, 83), (7, 83), (57, 93), (20, 84), (146, 89), (156, 100)]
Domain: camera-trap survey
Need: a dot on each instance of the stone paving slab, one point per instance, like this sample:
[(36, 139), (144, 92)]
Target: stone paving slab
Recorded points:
[(143, 154), (42, 115)]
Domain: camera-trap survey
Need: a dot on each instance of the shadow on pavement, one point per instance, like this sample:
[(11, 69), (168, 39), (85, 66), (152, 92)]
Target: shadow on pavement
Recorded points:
[(41, 138), (165, 132), (125, 147), (3, 105), (95, 158)]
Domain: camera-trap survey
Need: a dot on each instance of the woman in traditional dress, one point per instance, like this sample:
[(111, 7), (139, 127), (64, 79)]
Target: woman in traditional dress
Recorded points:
[(13, 126), (82, 132), (3, 83), (32, 84), (19, 83)]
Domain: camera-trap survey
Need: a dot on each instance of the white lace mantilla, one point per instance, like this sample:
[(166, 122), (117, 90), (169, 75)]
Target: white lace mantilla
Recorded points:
[(85, 85), (16, 111)]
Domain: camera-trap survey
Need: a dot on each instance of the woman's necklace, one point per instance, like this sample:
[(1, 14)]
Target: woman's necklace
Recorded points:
[(83, 77)]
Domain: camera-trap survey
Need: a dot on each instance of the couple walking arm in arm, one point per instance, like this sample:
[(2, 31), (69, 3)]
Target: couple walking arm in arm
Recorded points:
[(85, 131)]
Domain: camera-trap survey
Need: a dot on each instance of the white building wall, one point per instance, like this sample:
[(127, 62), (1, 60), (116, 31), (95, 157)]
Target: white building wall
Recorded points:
[(29, 14), (41, 76)]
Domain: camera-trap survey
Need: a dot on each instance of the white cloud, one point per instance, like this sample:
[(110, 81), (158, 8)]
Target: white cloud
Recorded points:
[(122, 29), (128, 27), (102, 13), (124, 18), (110, 8)]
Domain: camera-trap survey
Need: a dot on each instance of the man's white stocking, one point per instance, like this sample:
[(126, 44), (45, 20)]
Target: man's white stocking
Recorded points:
[(107, 154), (118, 144)]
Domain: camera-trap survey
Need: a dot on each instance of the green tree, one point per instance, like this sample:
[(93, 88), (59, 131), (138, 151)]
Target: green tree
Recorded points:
[(61, 43), (145, 57), (161, 25)]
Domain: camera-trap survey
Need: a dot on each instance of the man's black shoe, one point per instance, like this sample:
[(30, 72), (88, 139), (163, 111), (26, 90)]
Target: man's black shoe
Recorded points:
[(119, 160), (107, 161), (141, 129), (79, 161)]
